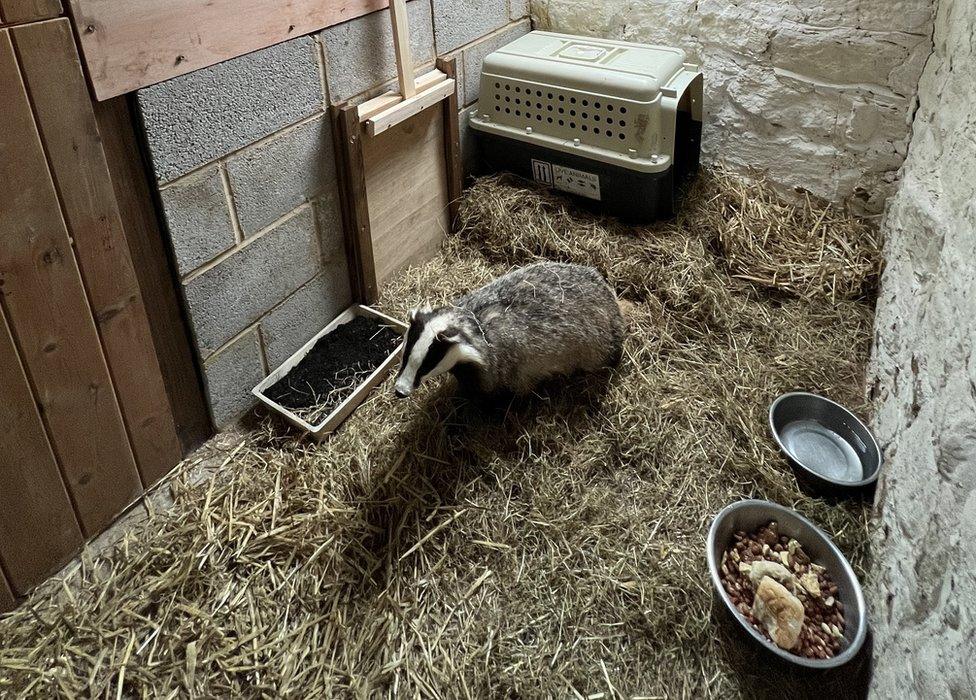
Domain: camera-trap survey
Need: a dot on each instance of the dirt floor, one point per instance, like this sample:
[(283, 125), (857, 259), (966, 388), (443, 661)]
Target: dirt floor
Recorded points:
[(550, 549)]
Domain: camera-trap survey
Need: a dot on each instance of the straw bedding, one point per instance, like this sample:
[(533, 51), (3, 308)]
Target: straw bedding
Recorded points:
[(551, 548)]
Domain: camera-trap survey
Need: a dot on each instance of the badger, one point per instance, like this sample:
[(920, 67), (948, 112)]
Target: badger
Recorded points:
[(534, 323)]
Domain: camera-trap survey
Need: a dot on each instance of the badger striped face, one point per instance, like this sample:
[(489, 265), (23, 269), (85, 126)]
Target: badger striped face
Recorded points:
[(434, 345)]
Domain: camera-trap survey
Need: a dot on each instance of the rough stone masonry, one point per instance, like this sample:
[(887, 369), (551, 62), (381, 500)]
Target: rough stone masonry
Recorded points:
[(243, 157), (923, 593), (815, 94)]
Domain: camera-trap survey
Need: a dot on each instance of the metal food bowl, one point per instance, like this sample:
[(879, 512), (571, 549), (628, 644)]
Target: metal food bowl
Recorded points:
[(750, 515), (829, 448)]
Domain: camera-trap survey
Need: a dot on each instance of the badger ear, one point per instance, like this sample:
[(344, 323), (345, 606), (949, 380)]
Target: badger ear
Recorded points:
[(414, 313), (450, 335)]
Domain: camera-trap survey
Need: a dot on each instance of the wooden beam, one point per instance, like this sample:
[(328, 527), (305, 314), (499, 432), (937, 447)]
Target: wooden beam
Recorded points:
[(129, 44), (16, 11), (452, 144), (154, 271), (68, 129), (401, 48), (352, 179), (46, 304), (402, 111), (388, 99), (38, 529)]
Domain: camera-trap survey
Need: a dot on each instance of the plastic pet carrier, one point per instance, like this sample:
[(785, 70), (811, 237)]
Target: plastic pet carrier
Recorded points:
[(613, 122)]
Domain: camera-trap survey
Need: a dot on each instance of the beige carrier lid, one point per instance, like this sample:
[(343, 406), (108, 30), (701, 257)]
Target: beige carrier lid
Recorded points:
[(636, 72)]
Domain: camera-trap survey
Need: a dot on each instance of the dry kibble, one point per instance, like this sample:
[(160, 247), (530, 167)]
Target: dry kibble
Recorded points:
[(765, 553)]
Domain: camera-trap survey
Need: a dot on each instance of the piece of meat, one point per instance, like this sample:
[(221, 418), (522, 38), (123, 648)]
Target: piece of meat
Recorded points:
[(780, 612)]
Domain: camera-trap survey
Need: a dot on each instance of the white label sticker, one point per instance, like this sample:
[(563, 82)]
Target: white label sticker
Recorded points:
[(576, 181), (542, 171)]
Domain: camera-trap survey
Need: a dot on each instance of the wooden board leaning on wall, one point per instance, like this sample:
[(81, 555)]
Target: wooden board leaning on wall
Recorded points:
[(400, 188), (129, 44)]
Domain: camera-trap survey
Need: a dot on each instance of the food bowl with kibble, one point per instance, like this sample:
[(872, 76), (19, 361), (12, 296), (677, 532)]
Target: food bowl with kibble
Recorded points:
[(774, 568)]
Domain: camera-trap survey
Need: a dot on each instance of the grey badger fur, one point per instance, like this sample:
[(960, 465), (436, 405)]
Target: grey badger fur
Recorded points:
[(534, 323)]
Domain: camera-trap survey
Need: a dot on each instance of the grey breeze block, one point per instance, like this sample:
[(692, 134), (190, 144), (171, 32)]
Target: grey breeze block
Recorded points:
[(235, 293), (459, 22), (295, 320), (198, 218), (230, 375), (474, 55), (276, 176), (359, 53), (196, 118)]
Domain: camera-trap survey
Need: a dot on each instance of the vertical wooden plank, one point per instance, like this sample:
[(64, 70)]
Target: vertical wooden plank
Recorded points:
[(345, 207), (452, 143), (64, 115), (7, 601), (401, 47), (38, 529), (154, 271), (46, 305), (28, 10), (359, 240)]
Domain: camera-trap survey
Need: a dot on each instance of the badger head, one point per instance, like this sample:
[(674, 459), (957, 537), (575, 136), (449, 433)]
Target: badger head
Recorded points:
[(438, 340)]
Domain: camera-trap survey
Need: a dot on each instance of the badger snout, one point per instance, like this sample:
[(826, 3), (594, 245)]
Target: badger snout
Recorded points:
[(402, 390)]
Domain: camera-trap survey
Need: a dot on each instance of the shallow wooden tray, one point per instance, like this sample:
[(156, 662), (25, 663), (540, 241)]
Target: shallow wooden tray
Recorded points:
[(322, 430)]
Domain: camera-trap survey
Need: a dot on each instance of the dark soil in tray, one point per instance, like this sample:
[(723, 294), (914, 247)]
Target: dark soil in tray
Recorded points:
[(331, 371)]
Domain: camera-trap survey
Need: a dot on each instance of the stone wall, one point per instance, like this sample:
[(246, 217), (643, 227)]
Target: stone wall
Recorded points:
[(923, 596), (815, 93), (243, 158)]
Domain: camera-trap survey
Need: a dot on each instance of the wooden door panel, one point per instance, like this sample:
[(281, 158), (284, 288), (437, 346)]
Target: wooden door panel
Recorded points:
[(52, 73), (406, 176), (38, 529), (46, 304)]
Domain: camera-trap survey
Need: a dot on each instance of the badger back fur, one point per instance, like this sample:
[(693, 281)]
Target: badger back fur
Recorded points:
[(534, 323)]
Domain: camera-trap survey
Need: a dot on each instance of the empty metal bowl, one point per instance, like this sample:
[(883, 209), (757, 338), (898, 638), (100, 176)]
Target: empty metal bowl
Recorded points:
[(749, 516), (829, 448)]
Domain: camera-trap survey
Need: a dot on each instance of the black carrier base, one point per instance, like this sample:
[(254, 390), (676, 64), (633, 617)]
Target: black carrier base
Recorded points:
[(634, 197)]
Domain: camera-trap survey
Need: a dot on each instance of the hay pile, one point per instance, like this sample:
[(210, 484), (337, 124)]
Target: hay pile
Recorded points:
[(552, 549)]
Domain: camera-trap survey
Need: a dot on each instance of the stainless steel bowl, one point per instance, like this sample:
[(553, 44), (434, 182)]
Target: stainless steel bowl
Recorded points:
[(750, 515), (829, 448)]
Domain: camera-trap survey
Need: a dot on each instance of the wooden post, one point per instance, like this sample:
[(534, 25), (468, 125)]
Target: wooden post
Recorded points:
[(452, 143), (348, 134), (401, 46)]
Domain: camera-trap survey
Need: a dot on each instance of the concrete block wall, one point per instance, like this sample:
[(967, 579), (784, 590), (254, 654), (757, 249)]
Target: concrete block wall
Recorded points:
[(815, 94), (243, 159)]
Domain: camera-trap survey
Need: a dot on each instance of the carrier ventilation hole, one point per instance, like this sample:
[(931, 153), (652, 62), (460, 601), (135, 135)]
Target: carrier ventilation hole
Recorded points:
[(550, 106)]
